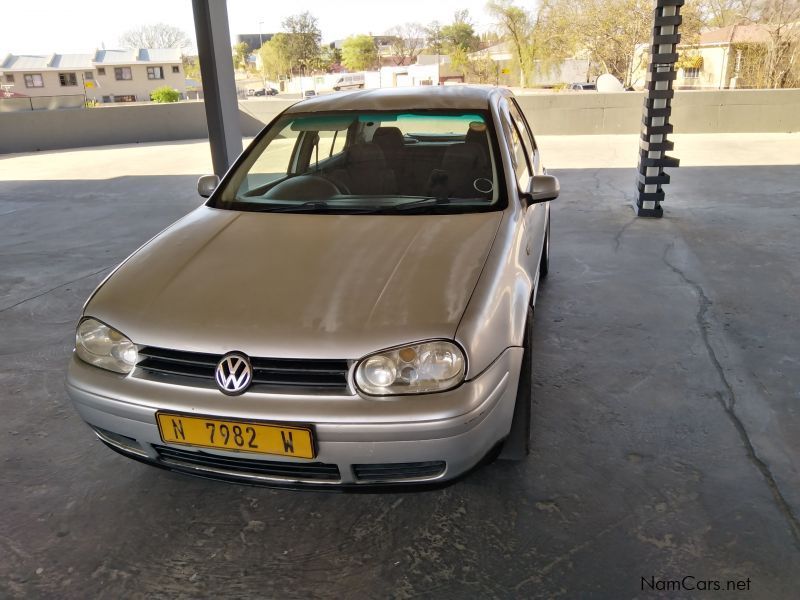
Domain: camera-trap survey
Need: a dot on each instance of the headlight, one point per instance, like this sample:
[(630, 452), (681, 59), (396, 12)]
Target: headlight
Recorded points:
[(414, 369), (102, 346)]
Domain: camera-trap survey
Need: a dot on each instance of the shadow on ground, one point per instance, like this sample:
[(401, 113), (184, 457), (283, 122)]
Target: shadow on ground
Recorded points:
[(665, 429)]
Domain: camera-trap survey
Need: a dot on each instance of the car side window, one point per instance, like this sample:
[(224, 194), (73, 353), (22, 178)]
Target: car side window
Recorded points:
[(525, 134), (522, 165), (273, 163), (331, 143), (516, 111)]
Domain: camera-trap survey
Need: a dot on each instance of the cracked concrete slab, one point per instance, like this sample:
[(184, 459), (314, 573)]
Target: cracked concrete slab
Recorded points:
[(666, 430)]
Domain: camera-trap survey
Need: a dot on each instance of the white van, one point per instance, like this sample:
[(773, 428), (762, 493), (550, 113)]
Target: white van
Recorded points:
[(349, 82)]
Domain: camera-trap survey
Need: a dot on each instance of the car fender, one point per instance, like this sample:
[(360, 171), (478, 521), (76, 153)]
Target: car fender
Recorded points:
[(495, 316)]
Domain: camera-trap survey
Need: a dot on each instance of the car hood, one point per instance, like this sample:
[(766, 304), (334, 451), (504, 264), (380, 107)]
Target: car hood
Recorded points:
[(298, 285)]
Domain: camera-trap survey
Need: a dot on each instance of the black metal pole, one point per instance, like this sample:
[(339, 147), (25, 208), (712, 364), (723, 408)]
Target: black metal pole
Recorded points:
[(219, 85), (653, 144)]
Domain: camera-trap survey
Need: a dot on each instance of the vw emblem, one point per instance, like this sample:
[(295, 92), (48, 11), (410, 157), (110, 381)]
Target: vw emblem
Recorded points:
[(233, 374)]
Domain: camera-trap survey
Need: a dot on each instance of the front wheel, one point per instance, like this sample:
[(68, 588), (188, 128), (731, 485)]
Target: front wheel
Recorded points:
[(517, 444)]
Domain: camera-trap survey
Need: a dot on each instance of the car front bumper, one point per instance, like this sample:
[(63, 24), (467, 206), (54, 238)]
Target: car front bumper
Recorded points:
[(361, 437)]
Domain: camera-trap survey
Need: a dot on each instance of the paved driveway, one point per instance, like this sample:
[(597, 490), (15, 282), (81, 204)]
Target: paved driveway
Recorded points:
[(667, 379)]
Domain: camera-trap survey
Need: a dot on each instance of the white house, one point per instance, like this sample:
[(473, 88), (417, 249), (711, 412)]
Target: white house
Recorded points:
[(712, 63)]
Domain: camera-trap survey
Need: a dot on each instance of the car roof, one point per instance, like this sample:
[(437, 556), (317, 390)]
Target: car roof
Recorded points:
[(422, 97)]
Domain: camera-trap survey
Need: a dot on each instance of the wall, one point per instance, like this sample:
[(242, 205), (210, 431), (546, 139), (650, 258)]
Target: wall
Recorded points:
[(717, 111), (42, 103), (120, 124), (730, 111), (733, 111)]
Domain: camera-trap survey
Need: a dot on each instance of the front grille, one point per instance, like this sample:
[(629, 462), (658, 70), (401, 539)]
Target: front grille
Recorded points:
[(315, 471), (399, 471), (318, 374)]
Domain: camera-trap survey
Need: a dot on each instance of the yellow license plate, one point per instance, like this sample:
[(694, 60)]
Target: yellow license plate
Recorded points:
[(242, 436)]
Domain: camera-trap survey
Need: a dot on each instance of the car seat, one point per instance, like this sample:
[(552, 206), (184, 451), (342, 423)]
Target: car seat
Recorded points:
[(365, 172)]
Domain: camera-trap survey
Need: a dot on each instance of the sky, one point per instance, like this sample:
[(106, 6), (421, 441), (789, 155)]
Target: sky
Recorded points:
[(71, 26)]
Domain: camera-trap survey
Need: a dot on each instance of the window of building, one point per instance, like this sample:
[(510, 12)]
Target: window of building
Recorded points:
[(691, 72), (101, 70), (67, 79), (9, 78), (176, 69), (123, 73), (34, 80), (88, 76), (155, 72)]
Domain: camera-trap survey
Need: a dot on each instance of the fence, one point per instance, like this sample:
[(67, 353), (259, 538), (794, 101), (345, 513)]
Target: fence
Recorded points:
[(42, 103)]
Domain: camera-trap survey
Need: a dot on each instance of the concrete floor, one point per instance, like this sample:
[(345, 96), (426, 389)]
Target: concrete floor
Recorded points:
[(666, 429)]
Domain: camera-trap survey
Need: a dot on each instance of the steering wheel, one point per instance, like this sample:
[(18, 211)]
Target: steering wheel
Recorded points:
[(304, 187)]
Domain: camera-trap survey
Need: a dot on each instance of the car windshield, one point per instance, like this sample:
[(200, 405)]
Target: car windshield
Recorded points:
[(394, 162)]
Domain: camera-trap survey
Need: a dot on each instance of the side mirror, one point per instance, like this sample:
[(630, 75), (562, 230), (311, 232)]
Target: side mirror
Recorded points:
[(207, 184), (543, 188)]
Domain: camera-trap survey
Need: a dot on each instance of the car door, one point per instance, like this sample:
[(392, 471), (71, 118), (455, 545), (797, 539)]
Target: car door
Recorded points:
[(526, 164)]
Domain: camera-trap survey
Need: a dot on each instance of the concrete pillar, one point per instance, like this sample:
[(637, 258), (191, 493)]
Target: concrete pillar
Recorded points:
[(219, 86), (657, 109)]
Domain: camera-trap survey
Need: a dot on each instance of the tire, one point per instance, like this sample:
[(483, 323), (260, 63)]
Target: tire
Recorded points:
[(544, 263), (517, 444)]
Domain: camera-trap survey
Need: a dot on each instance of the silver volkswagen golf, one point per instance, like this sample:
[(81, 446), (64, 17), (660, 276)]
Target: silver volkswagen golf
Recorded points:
[(350, 308)]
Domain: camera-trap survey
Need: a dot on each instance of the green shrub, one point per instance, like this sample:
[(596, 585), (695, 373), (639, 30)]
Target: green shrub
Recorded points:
[(165, 94)]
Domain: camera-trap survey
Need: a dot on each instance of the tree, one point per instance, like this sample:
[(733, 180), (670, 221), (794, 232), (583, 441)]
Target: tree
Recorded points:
[(433, 37), (475, 70), (275, 59), (240, 53), (724, 13), (191, 67), (460, 33), (302, 41), (407, 42), (165, 94), (359, 53), (607, 32), (771, 62), (782, 20), (327, 60), (516, 25), (159, 35)]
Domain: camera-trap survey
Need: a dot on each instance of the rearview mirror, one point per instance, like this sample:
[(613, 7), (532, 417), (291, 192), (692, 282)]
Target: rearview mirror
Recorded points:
[(542, 188), (207, 184)]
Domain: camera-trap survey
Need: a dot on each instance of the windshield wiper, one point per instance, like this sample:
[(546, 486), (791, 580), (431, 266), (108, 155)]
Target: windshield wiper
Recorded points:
[(309, 206), (431, 200), (320, 207)]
